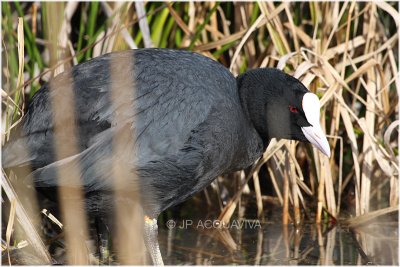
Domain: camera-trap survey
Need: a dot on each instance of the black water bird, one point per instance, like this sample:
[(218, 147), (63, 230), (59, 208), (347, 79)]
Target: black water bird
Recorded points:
[(188, 119)]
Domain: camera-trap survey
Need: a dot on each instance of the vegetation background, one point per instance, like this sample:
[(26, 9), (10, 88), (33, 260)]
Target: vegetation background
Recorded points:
[(345, 52)]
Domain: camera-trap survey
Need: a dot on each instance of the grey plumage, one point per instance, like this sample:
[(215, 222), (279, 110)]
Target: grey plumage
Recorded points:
[(182, 134)]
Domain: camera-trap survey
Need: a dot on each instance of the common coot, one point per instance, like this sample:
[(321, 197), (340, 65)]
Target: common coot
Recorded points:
[(186, 120)]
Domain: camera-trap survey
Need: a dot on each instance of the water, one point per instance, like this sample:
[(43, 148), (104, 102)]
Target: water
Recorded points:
[(190, 235), (276, 244), (250, 242)]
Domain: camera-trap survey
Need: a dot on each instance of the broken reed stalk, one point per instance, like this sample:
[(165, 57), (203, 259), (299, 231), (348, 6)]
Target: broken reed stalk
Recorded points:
[(340, 178), (370, 118), (257, 190), (293, 177), (285, 212), (329, 190), (10, 226), (274, 182), (25, 222), (368, 217), (321, 197)]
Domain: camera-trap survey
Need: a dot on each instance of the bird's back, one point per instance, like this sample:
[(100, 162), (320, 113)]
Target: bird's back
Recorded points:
[(172, 92)]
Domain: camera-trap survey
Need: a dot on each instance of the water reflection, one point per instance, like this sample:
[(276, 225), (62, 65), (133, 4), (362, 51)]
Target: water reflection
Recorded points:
[(275, 244)]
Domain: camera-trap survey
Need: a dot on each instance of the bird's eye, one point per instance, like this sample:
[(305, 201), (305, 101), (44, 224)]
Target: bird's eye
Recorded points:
[(293, 109)]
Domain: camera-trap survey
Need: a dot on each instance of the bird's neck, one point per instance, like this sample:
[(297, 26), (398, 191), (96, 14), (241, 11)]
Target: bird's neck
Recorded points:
[(255, 107)]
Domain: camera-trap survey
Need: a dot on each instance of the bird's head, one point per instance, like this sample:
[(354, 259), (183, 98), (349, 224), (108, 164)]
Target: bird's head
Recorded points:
[(280, 106)]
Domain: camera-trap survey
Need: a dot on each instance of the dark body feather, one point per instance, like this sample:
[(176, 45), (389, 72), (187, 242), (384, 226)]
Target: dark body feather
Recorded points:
[(180, 127)]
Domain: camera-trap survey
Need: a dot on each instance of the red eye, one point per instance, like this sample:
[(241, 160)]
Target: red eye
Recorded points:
[(293, 109)]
